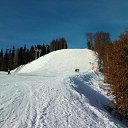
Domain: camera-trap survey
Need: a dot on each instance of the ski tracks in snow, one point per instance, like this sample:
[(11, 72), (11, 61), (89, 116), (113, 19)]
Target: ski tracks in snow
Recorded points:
[(47, 102)]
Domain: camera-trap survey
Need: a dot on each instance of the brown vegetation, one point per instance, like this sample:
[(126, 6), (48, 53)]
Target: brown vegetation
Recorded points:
[(113, 62)]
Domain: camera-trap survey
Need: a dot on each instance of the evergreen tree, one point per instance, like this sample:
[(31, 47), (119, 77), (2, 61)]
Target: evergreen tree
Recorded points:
[(12, 58), (1, 60), (58, 44), (16, 58), (89, 40), (21, 59), (6, 60), (32, 53)]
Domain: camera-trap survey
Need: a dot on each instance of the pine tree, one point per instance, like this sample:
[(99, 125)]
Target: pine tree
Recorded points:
[(89, 40), (16, 58), (1, 60), (12, 58), (58, 44), (6, 60)]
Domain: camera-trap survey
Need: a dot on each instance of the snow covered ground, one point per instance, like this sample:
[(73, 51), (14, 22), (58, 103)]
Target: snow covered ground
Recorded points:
[(47, 93)]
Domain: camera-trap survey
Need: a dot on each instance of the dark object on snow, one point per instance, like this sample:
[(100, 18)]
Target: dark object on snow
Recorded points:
[(77, 70), (9, 71)]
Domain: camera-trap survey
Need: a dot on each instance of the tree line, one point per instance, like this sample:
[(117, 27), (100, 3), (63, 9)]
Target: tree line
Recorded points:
[(12, 58), (113, 63)]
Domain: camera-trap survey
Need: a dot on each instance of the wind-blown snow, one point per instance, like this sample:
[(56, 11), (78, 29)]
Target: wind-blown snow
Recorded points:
[(47, 93)]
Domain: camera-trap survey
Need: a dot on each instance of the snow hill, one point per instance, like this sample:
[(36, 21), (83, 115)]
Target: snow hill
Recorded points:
[(48, 93), (62, 61)]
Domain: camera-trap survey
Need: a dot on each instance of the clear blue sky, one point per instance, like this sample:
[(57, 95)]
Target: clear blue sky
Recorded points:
[(33, 22)]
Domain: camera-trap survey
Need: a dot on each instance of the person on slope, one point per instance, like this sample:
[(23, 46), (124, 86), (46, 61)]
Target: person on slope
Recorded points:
[(9, 71)]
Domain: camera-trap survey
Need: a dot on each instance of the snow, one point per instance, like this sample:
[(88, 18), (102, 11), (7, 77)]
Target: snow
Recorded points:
[(48, 93), (57, 62)]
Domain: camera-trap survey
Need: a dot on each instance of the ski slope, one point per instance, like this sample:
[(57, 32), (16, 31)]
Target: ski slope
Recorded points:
[(47, 93), (62, 61)]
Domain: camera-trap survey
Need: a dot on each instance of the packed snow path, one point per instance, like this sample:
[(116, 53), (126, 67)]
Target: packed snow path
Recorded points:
[(50, 102), (53, 99)]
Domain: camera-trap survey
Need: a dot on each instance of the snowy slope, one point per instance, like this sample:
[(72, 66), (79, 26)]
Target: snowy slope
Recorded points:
[(66, 60), (58, 98)]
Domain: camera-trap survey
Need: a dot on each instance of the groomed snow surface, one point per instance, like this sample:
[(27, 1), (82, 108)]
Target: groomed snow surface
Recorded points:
[(48, 93)]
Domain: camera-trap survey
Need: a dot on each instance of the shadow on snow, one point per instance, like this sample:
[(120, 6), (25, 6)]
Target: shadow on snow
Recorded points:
[(82, 84)]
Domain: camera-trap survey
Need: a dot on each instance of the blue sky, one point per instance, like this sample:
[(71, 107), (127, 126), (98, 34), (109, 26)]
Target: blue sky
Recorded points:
[(34, 22)]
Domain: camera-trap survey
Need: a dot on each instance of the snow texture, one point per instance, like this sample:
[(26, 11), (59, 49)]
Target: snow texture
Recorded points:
[(48, 93)]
